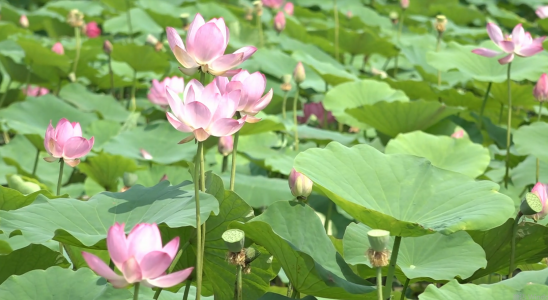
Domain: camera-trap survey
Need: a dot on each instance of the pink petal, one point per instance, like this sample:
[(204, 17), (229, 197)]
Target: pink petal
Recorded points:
[(539, 40), (518, 35), (189, 71), (192, 91), (142, 239), (131, 270), (223, 127), (507, 59), (200, 134), (231, 73), (77, 129), (172, 247), (180, 126), (63, 132), (494, 33), (208, 44), (117, 244), (226, 106), (260, 104), (251, 119), (530, 50), (507, 46), (49, 142), (241, 76), (220, 23), (192, 29), (254, 87), (174, 102), (99, 267), (197, 115), (77, 147), (155, 264), (73, 162), (184, 58), (170, 280), (247, 51), (174, 39), (486, 52), (221, 83), (222, 64)]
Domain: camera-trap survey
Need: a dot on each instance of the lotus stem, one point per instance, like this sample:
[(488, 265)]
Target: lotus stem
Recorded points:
[(538, 161), (336, 15), (238, 295), (60, 178), (133, 101), (128, 4), (295, 100), (508, 129), (400, 28), (77, 57), (225, 164), (197, 174), (136, 291), (328, 216), (513, 245), (187, 289), (111, 74), (392, 267), (260, 28), (284, 103), (234, 154), (5, 95), (483, 104), (379, 283), (438, 45), (36, 163), (157, 293), (405, 286)]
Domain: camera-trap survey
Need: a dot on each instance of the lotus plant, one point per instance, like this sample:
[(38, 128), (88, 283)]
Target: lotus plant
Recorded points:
[(158, 92), (279, 22), (65, 142), (225, 147), (58, 48), (288, 8), (92, 30), (24, 21), (299, 75), (140, 257), (205, 47)]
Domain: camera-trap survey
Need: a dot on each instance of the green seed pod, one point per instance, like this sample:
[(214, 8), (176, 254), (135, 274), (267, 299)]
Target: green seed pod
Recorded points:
[(234, 240), (378, 239), (130, 179), (531, 205)]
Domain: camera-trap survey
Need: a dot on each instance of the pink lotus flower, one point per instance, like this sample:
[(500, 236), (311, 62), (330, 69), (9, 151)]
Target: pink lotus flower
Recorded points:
[(205, 47), (458, 134), (204, 111), (225, 145), (317, 110), (58, 48), (519, 43), (65, 141), (541, 88), (92, 30), (288, 8), (158, 93), (300, 185), (541, 191), (140, 257), (404, 4), (273, 3), (279, 22), (542, 12), (24, 21), (35, 91)]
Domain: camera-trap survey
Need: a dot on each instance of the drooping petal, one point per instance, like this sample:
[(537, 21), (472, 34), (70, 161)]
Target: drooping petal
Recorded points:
[(530, 50), (169, 280), (184, 58), (507, 46), (189, 71), (486, 52), (231, 73), (102, 269), (197, 115), (180, 126), (247, 51), (222, 64), (507, 59), (131, 270), (208, 44), (155, 264), (172, 247), (192, 29), (494, 33), (117, 244), (142, 239), (77, 147), (260, 104), (200, 134), (174, 39), (223, 127), (73, 162), (252, 119), (518, 35), (51, 159)]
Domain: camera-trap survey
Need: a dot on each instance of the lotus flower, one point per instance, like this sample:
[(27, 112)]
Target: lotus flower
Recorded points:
[(519, 43), (35, 91), (140, 257), (279, 22), (273, 3), (225, 145), (158, 93), (300, 185), (540, 190), (542, 12), (58, 48), (288, 8), (24, 21), (317, 110), (541, 88), (65, 141), (204, 111), (92, 30), (252, 87), (458, 134), (205, 47)]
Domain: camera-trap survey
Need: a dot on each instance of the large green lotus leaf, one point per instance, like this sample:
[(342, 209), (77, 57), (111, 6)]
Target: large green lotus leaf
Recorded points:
[(61, 284), (331, 74), (458, 155), (105, 169), (323, 136), (141, 23), (402, 193), (524, 278), (42, 109), (312, 264), (19, 71), (102, 131), (32, 257), (392, 118), (531, 239), (460, 57), (36, 54), (11, 199), (458, 13), (356, 94), (260, 191), (435, 256), (532, 140), (267, 123), (164, 13), (141, 58), (151, 176), (283, 161), (62, 218), (524, 173), (106, 105), (158, 138), (455, 291)]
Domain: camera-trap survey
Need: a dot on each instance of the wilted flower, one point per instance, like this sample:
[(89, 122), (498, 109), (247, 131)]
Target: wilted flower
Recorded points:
[(458, 134), (66, 141), (441, 23), (404, 4), (540, 191), (519, 43), (300, 185), (286, 82), (205, 47), (204, 111), (24, 21), (140, 257), (288, 8), (158, 93), (273, 3), (279, 22), (92, 30), (58, 48), (225, 145), (542, 12), (75, 18), (299, 74), (541, 88), (35, 91), (317, 110)]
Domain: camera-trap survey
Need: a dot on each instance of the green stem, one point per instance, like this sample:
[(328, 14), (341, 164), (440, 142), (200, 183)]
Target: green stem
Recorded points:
[(111, 264), (379, 283), (58, 88), (405, 285), (238, 290), (77, 57), (440, 35), (483, 104), (35, 162), (328, 216), (111, 74), (27, 81), (260, 28), (295, 294), (295, 100), (508, 129), (136, 291), (133, 101), (187, 289), (538, 161), (513, 248), (5, 95), (336, 13), (400, 28), (234, 154), (284, 103), (197, 175), (500, 112), (129, 21), (61, 166), (157, 293), (392, 267), (225, 164)]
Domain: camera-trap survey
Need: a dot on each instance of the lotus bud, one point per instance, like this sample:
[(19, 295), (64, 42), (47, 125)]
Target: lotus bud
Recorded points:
[(394, 17), (289, 8), (58, 48), (441, 23), (72, 77), (251, 254), (75, 18), (541, 88), (185, 20), (299, 73), (286, 85), (458, 134), (225, 145), (300, 185), (258, 7), (152, 40), (164, 177), (404, 4), (107, 47), (378, 254), (279, 22), (130, 179), (24, 21)]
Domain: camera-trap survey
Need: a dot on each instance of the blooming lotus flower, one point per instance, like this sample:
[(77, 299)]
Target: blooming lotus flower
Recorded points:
[(541, 191), (519, 43), (205, 47), (35, 91), (273, 3), (158, 93), (317, 110), (300, 185), (24, 21), (65, 141), (225, 145), (279, 22), (404, 4), (541, 88), (288, 8), (204, 111), (58, 48), (92, 30), (542, 12), (140, 257), (458, 134)]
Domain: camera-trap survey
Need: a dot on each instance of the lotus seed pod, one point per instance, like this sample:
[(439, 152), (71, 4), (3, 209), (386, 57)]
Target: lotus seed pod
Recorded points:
[(378, 239), (299, 73), (234, 240), (394, 17), (130, 179), (441, 23), (251, 254), (531, 204), (75, 18)]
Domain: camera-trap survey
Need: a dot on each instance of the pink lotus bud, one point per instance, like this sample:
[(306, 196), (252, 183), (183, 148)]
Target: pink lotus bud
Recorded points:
[(225, 145), (349, 14), (107, 47), (542, 12), (65, 141), (279, 22), (300, 185), (299, 73), (404, 4), (140, 257), (35, 91), (163, 177), (58, 48), (541, 88), (24, 21), (540, 190), (288, 8), (92, 30), (273, 3), (145, 154), (458, 134)]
